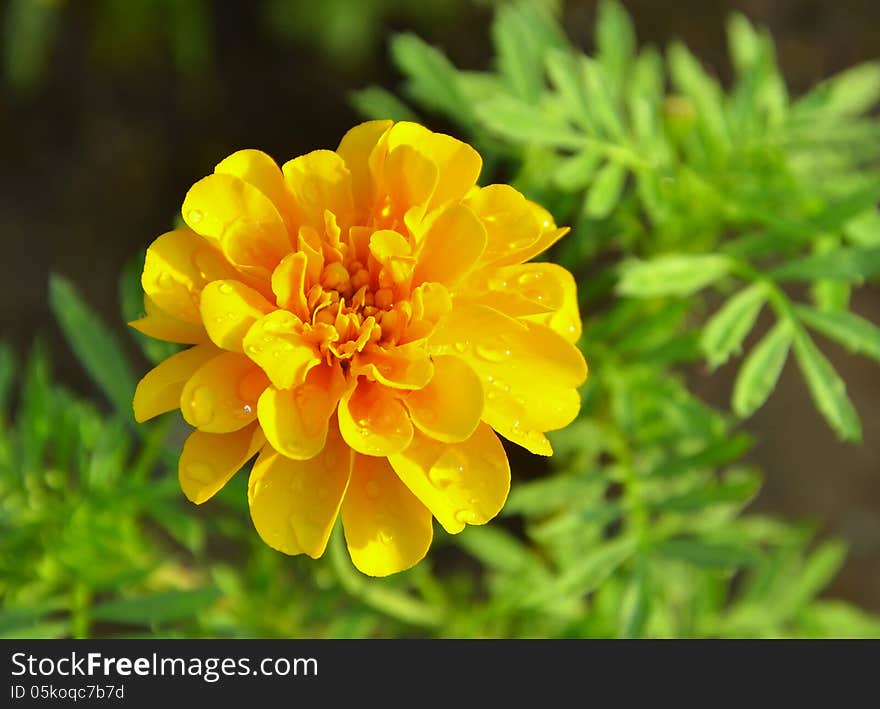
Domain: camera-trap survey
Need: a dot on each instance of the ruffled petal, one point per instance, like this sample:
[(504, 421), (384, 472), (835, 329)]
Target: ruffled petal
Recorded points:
[(397, 367), (450, 247), (221, 396), (355, 149), (450, 406), (240, 219), (209, 460), (178, 264), (410, 180), (162, 326), (458, 163), (229, 309), (289, 284), (294, 503), (373, 421), (160, 389), (321, 181), (461, 483), (295, 421), (386, 528), (507, 354), (276, 344), (261, 171), (511, 225)]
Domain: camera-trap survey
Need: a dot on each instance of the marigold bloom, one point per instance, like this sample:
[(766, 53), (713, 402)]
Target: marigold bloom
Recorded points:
[(361, 320)]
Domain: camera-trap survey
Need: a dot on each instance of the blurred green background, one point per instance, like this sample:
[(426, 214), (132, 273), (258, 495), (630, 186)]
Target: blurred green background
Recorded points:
[(111, 109)]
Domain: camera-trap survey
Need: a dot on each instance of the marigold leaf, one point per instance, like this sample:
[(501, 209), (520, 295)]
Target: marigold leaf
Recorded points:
[(615, 40), (708, 554), (433, 79), (842, 264), (378, 103), (827, 389), (497, 549), (606, 190), (723, 335), (96, 348), (517, 121), (853, 332), (156, 608), (673, 274), (850, 93), (761, 369)]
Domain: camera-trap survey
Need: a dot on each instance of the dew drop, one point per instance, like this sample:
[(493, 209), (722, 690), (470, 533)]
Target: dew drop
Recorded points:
[(491, 354), (164, 280), (200, 472), (248, 409), (194, 216), (465, 516), (202, 405), (462, 346), (225, 288), (385, 537)]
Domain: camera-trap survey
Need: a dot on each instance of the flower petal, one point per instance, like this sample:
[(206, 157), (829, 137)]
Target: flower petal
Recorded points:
[(320, 181), (461, 483), (295, 421), (510, 224), (398, 367), (373, 421), (450, 247), (529, 372), (178, 264), (276, 344), (289, 284), (458, 163), (222, 395), (163, 326), (261, 171), (209, 460), (229, 309), (355, 149), (294, 503), (450, 406), (386, 528), (160, 389), (240, 219), (410, 180)]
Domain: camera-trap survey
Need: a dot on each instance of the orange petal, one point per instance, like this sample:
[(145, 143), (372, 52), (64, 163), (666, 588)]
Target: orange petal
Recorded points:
[(294, 503), (229, 309), (461, 483), (450, 247), (276, 344), (511, 225), (321, 181), (373, 421), (386, 528), (295, 421), (222, 395), (289, 284), (398, 367), (450, 406), (209, 460), (159, 391)]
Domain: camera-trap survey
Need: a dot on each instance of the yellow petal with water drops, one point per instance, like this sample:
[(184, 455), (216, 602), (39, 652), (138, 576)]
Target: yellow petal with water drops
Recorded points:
[(373, 421), (289, 284), (295, 421), (450, 406), (177, 266), (565, 315), (160, 389), (261, 171), (541, 292), (386, 528), (294, 503), (550, 234), (506, 354), (276, 344), (355, 149), (450, 247), (409, 179), (209, 460), (321, 181), (163, 326), (229, 309), (460, 483), (240, 219), (511, 225), (222, 395), (397, 367), (458, 163)]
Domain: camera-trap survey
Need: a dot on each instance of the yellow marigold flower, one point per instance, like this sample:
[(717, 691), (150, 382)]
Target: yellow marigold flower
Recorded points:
[(361, 320)]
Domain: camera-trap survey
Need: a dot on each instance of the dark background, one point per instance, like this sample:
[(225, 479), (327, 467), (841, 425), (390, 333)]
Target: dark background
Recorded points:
[(123, 109)]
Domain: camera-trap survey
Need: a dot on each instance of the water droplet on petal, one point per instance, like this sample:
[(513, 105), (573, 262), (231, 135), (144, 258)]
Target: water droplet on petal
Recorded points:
[(248, 409), (200, 472), (462, 346), (194, 216), (491, 354), (385, 537), (225, 288), (465, 516), (202, 405)]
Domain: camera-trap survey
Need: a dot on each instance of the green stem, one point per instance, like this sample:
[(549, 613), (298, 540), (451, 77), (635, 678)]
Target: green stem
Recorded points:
[(388, 601)]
